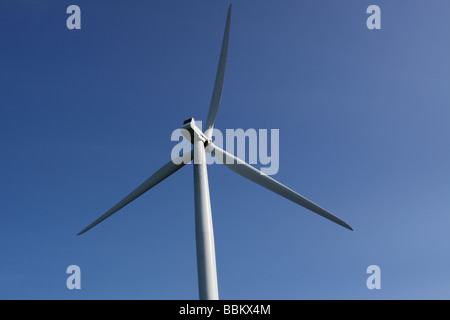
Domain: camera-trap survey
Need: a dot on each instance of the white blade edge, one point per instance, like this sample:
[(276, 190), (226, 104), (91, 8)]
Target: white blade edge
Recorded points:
[(218, 85), (165, 171), (249, 172)]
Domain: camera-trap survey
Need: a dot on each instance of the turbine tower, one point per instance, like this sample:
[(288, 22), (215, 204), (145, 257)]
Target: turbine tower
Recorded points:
[(202, 143)]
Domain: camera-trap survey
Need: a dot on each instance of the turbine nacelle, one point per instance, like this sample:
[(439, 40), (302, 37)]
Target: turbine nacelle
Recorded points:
[(191, 132)]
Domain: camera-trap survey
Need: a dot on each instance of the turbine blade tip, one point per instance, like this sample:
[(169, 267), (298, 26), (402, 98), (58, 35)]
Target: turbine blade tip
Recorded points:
[(82, 231)]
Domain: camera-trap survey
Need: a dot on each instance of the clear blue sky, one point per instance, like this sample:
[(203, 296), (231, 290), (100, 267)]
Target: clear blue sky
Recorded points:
[(86, 115)]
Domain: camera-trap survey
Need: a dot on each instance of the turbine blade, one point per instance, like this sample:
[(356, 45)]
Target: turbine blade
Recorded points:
[(217, 93), (165, 171), (249, 172)]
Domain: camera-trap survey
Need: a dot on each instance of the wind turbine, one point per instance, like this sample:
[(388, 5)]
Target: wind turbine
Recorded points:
[(202, 143)]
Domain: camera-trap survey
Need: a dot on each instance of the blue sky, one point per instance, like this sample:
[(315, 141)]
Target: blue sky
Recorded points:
[(86, 116)]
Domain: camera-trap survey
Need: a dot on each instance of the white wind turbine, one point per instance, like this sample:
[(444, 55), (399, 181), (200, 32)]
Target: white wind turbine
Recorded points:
[(202, 142)]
